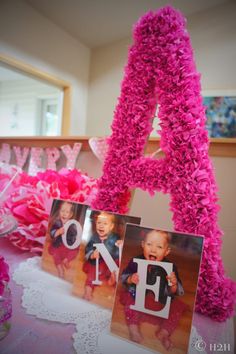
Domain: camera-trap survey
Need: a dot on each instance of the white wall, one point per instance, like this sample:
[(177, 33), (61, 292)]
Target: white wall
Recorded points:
[(225, 172), (27, 36), (106, 72), (213, 37)]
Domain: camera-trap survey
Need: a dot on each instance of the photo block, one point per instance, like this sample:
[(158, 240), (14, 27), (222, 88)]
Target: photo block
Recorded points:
[(99, 258), (156, 289), (63, 238)]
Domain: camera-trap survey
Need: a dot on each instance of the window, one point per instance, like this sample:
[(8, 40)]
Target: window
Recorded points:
[(30, 105), (50, 117)]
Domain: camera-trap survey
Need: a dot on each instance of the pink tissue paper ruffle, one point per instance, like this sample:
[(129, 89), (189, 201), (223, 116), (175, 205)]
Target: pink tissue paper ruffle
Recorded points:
[(4, 274), (161, 69), (29, 200)]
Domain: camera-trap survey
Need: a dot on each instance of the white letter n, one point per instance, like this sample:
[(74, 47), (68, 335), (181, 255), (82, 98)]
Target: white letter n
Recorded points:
[(112, 266)]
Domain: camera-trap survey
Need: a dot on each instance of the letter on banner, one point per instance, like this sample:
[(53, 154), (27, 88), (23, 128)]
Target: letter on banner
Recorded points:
[(35, 164), (53, 155), (5, 153), (71, 154), (21, 155)]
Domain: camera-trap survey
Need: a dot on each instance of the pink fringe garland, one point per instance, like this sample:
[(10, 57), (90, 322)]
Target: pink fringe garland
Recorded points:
[(161, 68)]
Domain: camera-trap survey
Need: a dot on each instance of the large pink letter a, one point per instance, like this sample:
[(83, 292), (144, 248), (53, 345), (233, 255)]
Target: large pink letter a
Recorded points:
[(161, 69)]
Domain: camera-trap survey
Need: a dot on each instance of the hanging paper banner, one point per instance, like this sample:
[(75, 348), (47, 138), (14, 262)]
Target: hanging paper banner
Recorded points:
[(5, 153), (35, 164), (99, 146), (21, 155), (53, 155), (71, 154)]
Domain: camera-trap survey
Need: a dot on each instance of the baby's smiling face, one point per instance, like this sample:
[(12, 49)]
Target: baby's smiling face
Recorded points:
[(104, 225), (65, 212), (155, 246)]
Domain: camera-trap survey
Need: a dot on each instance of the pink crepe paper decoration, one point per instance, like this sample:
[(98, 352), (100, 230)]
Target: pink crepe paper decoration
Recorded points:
[(35, 163), (161, 67), (30, 199), (21, 155), (5, 153), (4, 276), (53, 155), (71, 154), (99, 146)]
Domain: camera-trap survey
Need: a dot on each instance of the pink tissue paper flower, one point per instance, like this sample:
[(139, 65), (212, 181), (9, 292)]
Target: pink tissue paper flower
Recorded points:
[(4, 274), (30, 200)]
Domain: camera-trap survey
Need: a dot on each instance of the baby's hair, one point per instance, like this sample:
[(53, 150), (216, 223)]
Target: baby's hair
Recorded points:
[(106, 214), (67, 202), (162, 232), (57, 208), (70, 203)]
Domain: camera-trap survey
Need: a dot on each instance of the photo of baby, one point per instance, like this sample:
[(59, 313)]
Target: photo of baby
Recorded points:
[(156, 288), (100, 254), (63, 238)]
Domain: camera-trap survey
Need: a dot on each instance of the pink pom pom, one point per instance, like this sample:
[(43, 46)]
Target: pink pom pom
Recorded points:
[(30, 202)]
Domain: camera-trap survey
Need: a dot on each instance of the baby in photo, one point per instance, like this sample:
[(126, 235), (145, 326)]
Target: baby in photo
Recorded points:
[(100, 254), (63, 238), (104, 233), (155, 248), (151, 290), (60, 253)]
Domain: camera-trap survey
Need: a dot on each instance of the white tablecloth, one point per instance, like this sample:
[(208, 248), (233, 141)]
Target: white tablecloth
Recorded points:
[(48, 297)]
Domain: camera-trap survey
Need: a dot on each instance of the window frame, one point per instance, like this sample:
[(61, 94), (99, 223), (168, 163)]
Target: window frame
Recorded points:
[(48, 78)]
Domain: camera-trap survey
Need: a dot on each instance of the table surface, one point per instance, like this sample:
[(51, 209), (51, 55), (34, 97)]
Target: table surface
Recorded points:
[(29, 334)]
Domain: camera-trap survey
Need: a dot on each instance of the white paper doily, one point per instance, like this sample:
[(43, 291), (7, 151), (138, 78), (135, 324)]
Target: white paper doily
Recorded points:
[(92, 322)]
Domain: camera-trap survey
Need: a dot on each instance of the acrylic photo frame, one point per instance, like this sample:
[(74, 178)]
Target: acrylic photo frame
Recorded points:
[(63, 238), (96, 278), (138, 310)]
